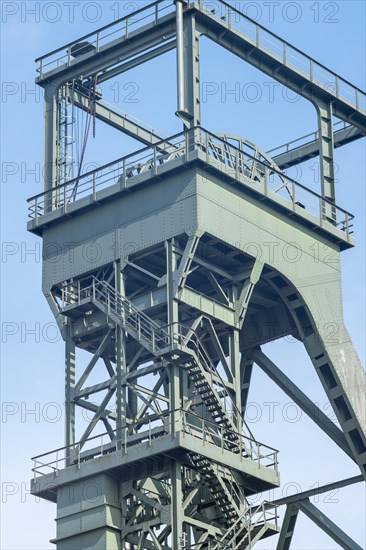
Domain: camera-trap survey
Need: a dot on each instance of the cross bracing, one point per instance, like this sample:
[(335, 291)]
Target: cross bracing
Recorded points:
[(176, 308)]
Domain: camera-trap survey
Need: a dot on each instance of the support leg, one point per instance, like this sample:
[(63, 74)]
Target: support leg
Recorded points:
[(177, 505)]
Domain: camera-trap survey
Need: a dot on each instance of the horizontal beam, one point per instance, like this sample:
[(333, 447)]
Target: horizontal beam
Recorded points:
[(293, 499), (114, 53), (207, 306), (278, 65), (93, 408), (135, 374), (85, 392), (146, 544), (306, 151), (116, 120), (206, 264), (211, 530), (138, 60)]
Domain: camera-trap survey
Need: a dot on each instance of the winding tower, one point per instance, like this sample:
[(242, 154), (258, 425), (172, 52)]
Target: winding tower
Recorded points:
[(174, 306)]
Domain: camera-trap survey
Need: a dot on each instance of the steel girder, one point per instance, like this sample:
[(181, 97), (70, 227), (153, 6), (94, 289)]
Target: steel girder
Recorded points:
[(141, 403)]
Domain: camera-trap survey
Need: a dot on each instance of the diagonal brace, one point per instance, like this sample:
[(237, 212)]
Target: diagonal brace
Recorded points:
[(327, 525), (302, 401), (96, 417), (93, 361)]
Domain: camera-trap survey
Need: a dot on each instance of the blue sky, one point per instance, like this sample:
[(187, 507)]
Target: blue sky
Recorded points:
[(32, 362)]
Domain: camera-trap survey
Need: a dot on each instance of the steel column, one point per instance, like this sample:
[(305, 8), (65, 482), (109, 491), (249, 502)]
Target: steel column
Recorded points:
[(176, 505), (121, 367), (50, 141), (69, 392), (172, 314), (180, 56), (169, 323), (326, 151)]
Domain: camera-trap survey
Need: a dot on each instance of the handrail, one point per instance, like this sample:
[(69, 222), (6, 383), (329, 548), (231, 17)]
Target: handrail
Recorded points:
[(160, 337), (120, 20), (104, 166), (124, 439), (92, 438), (285, 54), (159, 143), (125, 23), (245, 521), (205, 358), (315, 136), (259, 39)]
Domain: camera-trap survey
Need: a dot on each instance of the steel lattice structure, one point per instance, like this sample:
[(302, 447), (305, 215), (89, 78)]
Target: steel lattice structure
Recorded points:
[(166, 321)]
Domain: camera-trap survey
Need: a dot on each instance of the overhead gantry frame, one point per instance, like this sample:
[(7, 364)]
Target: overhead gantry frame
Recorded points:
[(169, 319), (332, 97)]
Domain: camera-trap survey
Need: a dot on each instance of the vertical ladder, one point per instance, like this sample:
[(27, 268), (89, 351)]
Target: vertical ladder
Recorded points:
[(66, 138)]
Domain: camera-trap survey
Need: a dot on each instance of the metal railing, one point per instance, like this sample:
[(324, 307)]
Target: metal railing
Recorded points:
[(307, 139), (284, 52), (96, 41), (120, 172), (186, 338), (173, 421), (132, 317), (73, 455), (236, 163), (207, 432), (242, 532)]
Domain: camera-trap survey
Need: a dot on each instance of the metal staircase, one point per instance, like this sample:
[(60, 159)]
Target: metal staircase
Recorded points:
[(201, 379), (119, 309), (220, 481), (225, 492)]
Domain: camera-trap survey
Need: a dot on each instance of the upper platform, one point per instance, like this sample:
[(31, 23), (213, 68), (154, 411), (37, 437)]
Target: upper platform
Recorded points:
[(210, 153)]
